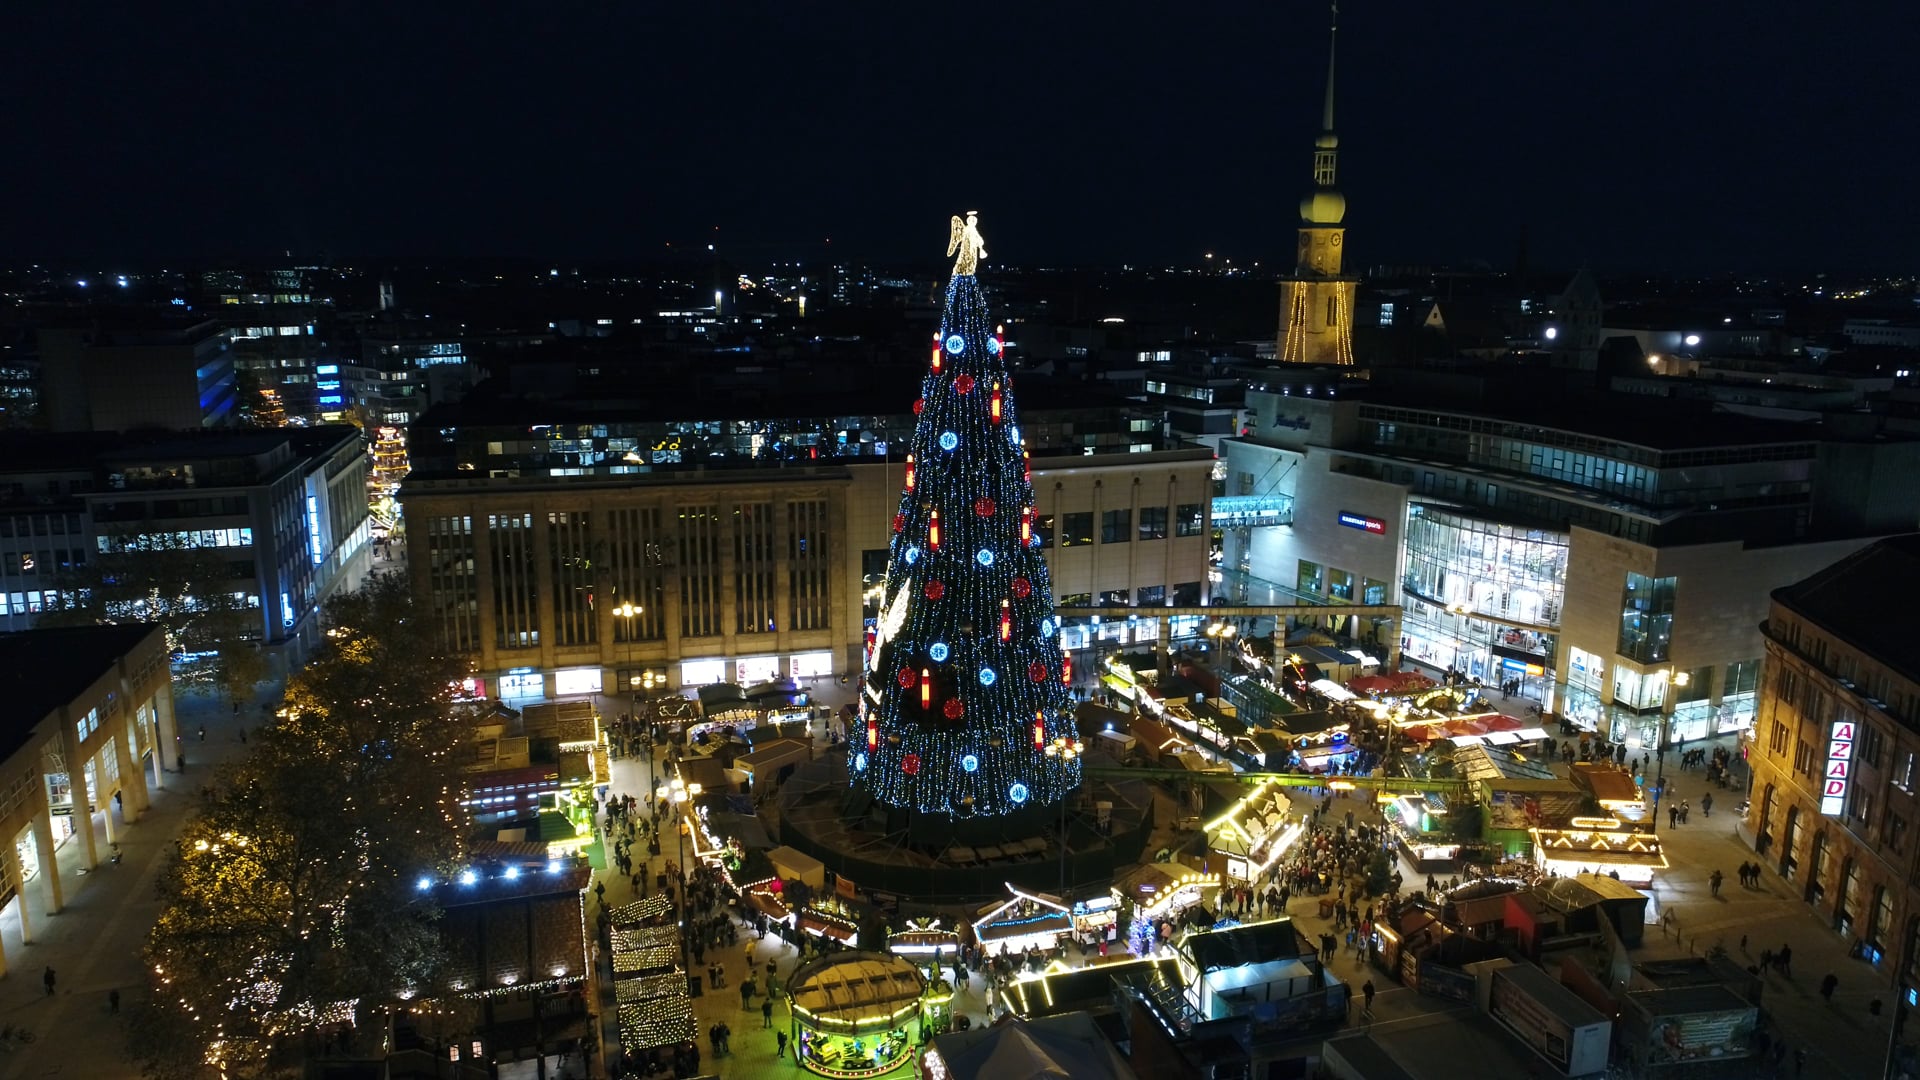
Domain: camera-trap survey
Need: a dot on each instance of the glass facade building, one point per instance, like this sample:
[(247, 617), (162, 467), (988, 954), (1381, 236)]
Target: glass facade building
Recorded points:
[(1484, 597)]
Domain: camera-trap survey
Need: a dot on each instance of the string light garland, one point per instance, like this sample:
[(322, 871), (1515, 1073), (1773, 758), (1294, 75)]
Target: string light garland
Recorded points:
[(975, 599)]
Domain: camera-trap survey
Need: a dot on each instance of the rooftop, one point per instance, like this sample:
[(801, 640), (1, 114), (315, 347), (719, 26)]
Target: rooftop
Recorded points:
[(1832, 600), (1659, 424), (41, 670)]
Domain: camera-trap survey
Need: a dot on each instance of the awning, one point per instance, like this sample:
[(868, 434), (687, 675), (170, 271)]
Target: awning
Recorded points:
[(1467, 740), (1502, 738)]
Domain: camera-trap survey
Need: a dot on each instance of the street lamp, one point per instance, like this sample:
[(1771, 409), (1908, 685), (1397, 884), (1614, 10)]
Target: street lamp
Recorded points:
[(1066, 749), (629, 610), (677, 794), (1678, 679)]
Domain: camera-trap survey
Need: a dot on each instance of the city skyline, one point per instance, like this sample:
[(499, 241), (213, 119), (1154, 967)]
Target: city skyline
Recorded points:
[(1639, 137)]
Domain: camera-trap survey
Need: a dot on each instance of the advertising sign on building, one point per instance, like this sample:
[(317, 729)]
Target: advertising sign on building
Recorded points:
[(1833, 797), (1364, 523)]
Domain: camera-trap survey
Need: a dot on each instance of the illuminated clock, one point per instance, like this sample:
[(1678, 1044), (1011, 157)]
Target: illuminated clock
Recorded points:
[(1334, 240)]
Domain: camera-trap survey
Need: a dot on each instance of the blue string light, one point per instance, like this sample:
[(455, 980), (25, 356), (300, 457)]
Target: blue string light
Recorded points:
[(984, 557), (1018, 792), (938, 650), (912, 555), (987, 676), (948, 440), (957, 344), (860, 761), (970, 763)]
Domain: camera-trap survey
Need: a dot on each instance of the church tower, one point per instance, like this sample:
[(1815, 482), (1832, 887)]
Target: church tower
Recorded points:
[(1316, 300)]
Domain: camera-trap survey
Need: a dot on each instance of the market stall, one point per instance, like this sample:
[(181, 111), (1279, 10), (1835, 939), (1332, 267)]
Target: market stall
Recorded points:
[(856, 1014), (1157, 893), (1418, 824), (831, 917), (1092, 917), (654, 1011), (929, 937), (1599, 846), (1255, 832), (1023, 921)]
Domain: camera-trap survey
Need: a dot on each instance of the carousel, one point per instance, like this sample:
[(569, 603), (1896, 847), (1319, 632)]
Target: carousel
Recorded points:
[(862, 1014)]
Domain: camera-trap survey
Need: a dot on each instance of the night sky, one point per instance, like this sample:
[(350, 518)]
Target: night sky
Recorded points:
[(1661, 136)]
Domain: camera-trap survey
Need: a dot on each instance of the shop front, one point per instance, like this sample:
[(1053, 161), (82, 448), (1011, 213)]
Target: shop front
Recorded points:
[(858, 1014), (925, 939)]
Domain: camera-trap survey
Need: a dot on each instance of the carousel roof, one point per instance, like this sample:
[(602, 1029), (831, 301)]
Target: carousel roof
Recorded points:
[(856, 987)]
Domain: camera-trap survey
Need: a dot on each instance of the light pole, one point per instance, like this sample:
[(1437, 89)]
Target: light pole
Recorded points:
[(677, 794), (1066, 750), (650, 682), (628, 610), (1677, 679)]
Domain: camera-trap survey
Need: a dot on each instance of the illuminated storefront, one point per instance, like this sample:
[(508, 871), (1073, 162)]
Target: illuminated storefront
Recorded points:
[(858, 1014), (1484, 597)]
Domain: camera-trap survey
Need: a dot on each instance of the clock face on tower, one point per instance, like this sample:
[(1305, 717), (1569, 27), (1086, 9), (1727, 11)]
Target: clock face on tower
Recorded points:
[(1334, 239)]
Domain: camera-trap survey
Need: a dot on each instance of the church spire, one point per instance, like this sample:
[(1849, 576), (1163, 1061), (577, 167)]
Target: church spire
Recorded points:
[(1333, 31)]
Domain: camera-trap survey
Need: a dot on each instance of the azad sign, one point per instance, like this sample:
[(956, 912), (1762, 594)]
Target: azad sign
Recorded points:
[(1833, 796)]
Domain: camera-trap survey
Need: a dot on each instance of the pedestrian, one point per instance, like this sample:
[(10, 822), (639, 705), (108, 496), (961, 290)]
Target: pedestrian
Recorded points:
[(1785, 960), (1706, 805), (48, 979), (1673, 816), (1366, 991), (1828, 985), (780, 1044), (113, 1001), (243, 736), (203, 733), (766, 1011), (1715, 880)]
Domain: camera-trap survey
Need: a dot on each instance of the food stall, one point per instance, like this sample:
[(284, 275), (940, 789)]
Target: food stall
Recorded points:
[(829, 916), (1161, 891), (1092, 917), (1255, 832), (1417, 822), (856, 1014), (1023, 921), (1599, 846)]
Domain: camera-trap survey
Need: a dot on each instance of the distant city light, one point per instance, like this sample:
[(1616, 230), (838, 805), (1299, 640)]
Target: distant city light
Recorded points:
[(468, 877), (82, 283), (424, 884), (513, 872), (1693, 339), (1552, 332)]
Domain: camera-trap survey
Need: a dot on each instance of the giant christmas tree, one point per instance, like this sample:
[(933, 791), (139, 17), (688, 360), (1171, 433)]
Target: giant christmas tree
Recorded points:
[(965, 708)]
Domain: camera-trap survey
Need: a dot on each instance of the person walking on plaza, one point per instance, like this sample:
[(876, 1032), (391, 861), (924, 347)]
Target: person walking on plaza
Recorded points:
[(1706, 805), (766, 1011), (1784, 958), (113, 1001), (1673, 816), (48, 979), (1366, 991), (1828, 985), (1715, 880)]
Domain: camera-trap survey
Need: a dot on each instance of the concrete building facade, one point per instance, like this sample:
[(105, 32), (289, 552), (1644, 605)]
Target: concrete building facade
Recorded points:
[(90, 725), (750, 574)]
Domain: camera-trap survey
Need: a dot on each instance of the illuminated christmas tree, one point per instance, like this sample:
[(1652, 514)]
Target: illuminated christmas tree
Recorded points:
[(965, 707)]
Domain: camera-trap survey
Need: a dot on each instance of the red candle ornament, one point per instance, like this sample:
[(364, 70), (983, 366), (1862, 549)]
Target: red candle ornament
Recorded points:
[(899, 522), (933, 532)]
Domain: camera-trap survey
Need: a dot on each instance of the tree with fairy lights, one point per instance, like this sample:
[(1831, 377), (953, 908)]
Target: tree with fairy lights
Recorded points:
[(965, 708)]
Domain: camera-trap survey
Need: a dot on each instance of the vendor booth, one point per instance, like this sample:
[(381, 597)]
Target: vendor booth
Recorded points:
[(1255, 832), (1159, 891), (1599, 846), (1023, 921), (1418, 822), (654, 1011), (928, 937), (856, 1014)]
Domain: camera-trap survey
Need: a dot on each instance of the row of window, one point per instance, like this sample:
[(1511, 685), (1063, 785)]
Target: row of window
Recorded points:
[(1118, 526), (1317, 580)]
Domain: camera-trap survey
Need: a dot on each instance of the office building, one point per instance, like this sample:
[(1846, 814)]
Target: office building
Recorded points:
[(1835, 751), (289, 506), (276, 322), (120, 370)]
